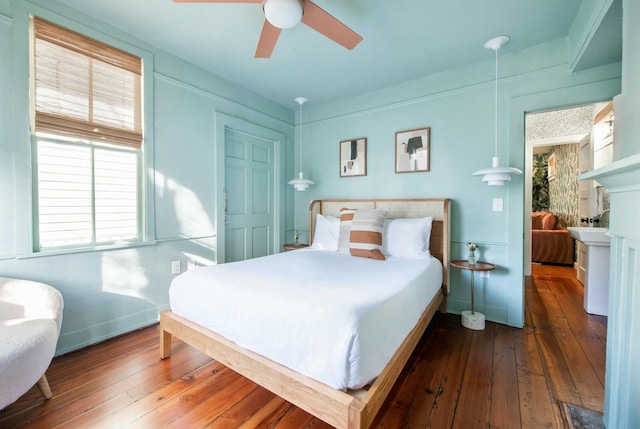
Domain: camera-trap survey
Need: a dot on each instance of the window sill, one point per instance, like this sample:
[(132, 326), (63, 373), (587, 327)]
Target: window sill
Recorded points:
[(107, 248)]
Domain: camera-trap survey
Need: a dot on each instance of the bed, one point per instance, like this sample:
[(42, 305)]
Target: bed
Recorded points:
[(342, 398)]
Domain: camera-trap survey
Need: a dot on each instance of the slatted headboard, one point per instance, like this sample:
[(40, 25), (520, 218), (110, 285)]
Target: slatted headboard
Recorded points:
[(439, 209)]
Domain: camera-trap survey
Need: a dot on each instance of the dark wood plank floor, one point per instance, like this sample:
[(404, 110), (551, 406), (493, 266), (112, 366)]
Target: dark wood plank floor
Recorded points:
[(501, 377)]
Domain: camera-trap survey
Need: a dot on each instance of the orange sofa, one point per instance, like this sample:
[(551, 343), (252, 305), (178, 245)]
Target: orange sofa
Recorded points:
[(550, 244)]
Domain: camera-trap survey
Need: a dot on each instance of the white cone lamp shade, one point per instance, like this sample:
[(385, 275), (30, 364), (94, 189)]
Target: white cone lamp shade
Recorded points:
[(496, 175), (301, 184), (283, 14)]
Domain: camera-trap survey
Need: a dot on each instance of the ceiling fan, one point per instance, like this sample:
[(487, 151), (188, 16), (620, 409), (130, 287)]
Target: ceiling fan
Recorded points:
[(284, 14)]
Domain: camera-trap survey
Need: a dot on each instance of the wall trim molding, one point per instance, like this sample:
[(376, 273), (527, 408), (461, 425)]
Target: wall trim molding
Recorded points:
[(70, 341), (448, 92), (219, 98), (6, 19), (620, 176), (587, 36)]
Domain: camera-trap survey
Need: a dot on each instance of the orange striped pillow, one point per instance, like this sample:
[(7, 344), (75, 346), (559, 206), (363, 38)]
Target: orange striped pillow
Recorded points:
[(365, 239), (346, 217)]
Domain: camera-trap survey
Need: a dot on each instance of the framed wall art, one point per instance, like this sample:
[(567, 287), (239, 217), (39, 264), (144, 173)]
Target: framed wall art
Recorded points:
[(412, 150), (353, 157)]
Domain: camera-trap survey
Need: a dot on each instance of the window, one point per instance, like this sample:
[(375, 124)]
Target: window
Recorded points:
[(87, 140)]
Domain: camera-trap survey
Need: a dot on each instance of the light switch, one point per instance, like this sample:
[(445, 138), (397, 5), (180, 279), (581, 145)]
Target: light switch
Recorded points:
[(175, 267), (497, 204)]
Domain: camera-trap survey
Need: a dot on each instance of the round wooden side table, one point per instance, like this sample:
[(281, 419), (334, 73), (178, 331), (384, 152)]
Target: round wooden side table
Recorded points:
[(472, 319), (294, 246)]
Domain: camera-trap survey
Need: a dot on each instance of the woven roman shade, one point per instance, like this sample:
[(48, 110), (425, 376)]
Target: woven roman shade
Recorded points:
[(85, 88)]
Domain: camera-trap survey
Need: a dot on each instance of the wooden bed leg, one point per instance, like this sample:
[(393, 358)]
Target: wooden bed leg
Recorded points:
[(357, 417), (443, 306), (165, 344), (43, 385)]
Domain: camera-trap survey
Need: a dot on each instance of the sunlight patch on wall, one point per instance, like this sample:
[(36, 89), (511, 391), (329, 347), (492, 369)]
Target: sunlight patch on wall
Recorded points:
[(123, 274), (194, 261), (193, 220)]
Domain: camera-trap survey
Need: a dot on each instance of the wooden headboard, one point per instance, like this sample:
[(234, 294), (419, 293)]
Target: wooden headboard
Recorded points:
[(439, 209)]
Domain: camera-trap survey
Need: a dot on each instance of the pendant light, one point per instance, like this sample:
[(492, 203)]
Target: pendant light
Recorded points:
[(301, 184), (496, 175)]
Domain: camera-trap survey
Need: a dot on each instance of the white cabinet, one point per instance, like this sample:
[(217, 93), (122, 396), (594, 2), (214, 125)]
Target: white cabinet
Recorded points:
[(581, 269), (593, 273)]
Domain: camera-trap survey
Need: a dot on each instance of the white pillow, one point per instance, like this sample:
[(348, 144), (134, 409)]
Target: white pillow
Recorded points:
[(325, 237), (407, 238)]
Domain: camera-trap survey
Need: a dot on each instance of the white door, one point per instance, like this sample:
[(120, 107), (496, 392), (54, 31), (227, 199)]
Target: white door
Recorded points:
[(249, 187)]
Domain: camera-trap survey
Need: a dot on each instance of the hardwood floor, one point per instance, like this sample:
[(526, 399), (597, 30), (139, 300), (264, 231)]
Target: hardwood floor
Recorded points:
[(501, 377)]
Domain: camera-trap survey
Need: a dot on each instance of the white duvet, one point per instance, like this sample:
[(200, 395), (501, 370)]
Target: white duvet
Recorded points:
[(335, 318)]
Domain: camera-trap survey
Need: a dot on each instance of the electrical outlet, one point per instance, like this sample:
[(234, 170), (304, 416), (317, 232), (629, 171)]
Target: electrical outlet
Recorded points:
[(485, 274), (175, 267), (497, 204)]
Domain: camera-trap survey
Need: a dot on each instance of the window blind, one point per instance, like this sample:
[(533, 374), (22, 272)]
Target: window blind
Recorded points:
[(85, 88), (64, 195), (86, 195)]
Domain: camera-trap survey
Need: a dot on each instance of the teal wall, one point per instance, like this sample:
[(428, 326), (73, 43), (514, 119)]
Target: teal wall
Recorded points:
[(458, 106), (109, 292)]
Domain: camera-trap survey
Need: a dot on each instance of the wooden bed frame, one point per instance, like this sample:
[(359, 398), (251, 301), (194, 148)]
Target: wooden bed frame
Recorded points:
[(350, 409)]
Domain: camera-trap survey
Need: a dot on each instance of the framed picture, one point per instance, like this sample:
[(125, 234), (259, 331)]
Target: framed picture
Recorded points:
[(353, 157), (412, 150), (551, 172)]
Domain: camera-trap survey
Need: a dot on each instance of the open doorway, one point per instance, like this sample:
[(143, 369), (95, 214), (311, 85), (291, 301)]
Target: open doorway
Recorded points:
[(557, 312), (560, 145)]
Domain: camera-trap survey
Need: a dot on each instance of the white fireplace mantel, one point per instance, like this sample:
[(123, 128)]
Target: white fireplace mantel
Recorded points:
[(620, 176), (622, 379)]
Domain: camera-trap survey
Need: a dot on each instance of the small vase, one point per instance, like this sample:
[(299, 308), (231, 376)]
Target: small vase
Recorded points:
[(472, 258)]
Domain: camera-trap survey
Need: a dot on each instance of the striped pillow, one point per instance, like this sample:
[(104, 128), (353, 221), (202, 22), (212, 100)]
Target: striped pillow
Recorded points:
[(365, 239), (346, 216)]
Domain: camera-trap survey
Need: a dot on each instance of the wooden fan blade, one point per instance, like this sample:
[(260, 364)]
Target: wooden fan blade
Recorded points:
[(217, 1), (268, 39), (315, 17)]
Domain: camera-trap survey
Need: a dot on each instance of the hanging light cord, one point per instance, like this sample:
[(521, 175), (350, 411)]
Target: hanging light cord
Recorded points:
[(300, 104), (495, 107)]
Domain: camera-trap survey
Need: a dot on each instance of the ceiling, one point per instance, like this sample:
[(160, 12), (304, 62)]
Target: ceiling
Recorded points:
[(403, 40), (544, 130)]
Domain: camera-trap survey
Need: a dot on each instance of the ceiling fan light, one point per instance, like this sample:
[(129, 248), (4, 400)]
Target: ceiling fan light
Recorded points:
[(283, 13)]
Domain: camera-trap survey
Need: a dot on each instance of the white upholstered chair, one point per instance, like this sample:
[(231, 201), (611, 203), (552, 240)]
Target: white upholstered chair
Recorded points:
[(30, 320)]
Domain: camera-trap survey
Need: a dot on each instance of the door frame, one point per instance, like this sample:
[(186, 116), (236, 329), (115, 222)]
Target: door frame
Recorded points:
[(223, 122), (519, 221), (538, 106)]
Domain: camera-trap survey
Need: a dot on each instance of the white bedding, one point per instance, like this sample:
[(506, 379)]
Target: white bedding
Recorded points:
[(335, 318)]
